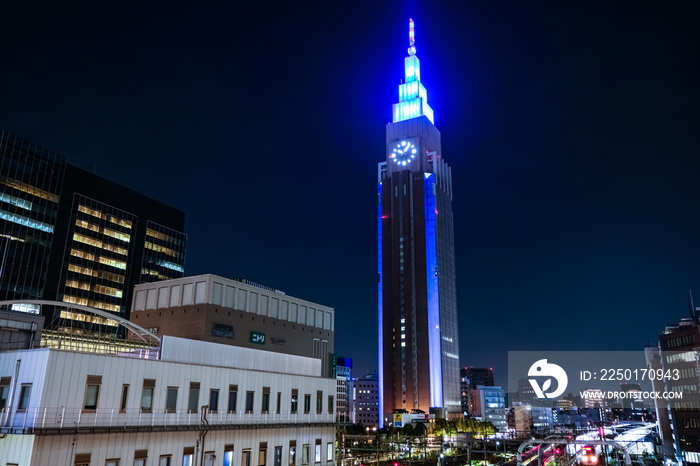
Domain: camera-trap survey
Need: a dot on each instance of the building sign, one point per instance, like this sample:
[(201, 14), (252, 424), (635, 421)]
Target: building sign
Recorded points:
[(398, 422), (257, 338), (278, 341), (222, 331), (334, 366)]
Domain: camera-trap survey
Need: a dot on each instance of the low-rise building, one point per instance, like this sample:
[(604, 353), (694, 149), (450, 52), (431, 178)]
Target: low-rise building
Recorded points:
[(189, 402), (238, 313)]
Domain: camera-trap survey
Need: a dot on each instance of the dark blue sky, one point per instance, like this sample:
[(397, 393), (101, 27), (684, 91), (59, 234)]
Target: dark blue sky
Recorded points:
[(572, 131)]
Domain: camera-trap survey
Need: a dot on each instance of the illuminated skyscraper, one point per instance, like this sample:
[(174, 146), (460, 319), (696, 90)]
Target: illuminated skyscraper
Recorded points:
[(69, 235), (418, 343)]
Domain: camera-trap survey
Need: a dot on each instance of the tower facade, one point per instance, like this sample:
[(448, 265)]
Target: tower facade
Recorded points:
[(418, 341)]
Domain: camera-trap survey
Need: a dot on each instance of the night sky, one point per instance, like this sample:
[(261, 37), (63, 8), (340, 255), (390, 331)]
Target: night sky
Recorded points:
[(572, 130)]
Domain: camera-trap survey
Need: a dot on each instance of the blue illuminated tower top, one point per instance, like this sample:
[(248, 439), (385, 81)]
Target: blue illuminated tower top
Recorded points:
[(413, 98)]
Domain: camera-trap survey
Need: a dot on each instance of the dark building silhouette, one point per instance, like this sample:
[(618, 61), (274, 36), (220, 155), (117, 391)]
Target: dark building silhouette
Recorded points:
[(418, 342), (72, 236)]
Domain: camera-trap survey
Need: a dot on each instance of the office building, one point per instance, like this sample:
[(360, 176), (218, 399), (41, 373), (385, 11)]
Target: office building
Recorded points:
[(662, 407), (70, 235), (366, 400), (490, 406), (533, 420), (677, 355), (343, 375), (418, 343), (469, 379), (191, 402), (593, 398), (238, 313)]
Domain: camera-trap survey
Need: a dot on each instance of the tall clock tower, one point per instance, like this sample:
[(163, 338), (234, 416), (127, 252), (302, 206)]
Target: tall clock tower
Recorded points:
[(418, 341)]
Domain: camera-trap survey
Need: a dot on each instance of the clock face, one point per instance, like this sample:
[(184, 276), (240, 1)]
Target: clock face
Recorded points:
[(404, 153)]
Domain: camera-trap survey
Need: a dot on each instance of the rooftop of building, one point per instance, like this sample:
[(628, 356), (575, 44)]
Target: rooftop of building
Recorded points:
[(238, 294)]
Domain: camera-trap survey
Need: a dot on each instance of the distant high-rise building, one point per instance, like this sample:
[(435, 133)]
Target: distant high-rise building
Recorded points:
[(366, 400), (592, 398), (490, 406), (677, 360), (469, 379), (344, 395), (72, 236), (418, 342), (533, 420)]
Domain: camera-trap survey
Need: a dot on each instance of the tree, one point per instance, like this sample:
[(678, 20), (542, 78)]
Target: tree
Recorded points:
[(420, 431), (439, 426)]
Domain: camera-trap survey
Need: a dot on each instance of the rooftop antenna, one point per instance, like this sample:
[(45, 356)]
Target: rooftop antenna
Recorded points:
[(411, 38), (691, 306)]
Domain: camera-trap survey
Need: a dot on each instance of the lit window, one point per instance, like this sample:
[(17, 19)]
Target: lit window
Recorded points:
[(27, 222), (82, 254), (112, 262), (27, 188), (21, 203)]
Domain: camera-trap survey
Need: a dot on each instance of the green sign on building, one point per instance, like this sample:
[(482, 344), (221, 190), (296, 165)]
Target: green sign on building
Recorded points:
[(257, 338)]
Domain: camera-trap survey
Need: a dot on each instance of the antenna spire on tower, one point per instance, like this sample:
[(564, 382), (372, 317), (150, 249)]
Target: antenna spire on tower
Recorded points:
[(411, 38)]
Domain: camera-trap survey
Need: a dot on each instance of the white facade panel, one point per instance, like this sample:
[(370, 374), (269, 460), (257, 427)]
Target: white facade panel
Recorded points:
[(230, 296), (151, 296), (163, 297), (264, 304), (17, 449), (274, 307), (176, 295), (217, 293), (139, 300), (242, 300), (201, 293), (188, 294)]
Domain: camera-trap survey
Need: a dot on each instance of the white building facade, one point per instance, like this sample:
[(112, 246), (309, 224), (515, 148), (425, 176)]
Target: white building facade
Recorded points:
[(492, 406), (198, 403)]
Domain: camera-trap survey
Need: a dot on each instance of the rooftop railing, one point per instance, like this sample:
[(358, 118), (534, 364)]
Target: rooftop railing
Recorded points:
[(41, 419)]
